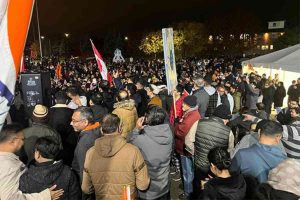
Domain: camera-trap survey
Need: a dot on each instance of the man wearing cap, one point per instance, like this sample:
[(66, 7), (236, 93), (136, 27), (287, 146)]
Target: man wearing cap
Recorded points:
[(211, 133), (152, 93), (185, 136), (39, 128)]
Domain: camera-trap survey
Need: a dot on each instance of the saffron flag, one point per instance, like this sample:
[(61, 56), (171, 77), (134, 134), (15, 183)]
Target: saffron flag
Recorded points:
[(58, 71), (101, 65), (15, 16)]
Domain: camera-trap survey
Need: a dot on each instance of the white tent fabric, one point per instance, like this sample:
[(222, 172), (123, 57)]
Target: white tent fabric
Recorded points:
[(285, 63), (287, 59)]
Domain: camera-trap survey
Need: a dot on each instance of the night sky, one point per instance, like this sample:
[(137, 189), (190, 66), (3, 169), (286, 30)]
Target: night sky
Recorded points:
[(126, 16)]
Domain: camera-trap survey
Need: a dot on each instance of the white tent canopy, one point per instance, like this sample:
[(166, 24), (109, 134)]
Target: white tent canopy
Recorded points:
[(287, 59), (285, 63)]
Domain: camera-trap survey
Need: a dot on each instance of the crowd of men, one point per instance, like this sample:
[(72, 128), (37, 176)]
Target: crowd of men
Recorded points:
[(223, 134)]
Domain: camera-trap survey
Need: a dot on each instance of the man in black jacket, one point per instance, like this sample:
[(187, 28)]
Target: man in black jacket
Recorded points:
[(46, 172), (60, 117), (144, 98), (96, 104)]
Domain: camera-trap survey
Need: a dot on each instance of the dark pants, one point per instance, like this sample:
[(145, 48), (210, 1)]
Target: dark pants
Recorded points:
[(199, 175)]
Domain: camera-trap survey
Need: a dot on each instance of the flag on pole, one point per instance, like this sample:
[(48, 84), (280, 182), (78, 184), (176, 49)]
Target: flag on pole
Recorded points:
[(22, 68), (101, 65), (15, 16), (58, 71)]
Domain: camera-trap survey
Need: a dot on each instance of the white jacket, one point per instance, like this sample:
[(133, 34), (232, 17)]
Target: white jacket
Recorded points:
[(11, 169)]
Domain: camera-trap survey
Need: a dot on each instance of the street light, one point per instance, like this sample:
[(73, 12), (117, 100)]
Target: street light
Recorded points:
[(42, 37), (126, 38), (67, 35)]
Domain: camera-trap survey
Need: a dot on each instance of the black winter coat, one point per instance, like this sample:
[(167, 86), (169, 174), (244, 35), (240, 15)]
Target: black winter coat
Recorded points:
[(232, 188), (279, 95), (293, 92), (41, 176), (60, 119), (142, 107), (268, 96)]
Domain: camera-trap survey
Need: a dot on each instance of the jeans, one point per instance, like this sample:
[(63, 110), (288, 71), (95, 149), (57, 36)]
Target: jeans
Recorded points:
[(187, 164)]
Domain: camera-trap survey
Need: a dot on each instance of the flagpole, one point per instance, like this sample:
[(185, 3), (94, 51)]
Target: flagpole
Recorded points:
[(39, 31)]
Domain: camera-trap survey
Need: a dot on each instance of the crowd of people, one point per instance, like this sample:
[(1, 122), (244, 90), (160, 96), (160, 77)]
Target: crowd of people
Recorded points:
[(222, 133)]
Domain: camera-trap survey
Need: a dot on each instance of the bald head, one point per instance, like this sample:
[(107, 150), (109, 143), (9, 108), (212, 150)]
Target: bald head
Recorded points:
[(123, 95)]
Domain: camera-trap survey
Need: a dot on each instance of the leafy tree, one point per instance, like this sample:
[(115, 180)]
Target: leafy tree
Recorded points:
[(152, 43), (195, 37)]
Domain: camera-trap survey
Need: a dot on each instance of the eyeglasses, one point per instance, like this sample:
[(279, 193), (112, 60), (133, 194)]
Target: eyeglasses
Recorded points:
[(76, 121), (20, 138)]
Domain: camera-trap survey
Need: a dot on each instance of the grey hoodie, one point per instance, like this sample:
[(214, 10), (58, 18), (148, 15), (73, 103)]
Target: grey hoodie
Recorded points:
[(155, 144)]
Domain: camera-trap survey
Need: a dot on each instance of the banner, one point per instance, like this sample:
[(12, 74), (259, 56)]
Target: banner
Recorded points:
[(15, 16), (169, 55)]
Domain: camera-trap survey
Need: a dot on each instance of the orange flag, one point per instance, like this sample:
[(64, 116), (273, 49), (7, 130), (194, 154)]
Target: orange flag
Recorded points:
[(58, 71)]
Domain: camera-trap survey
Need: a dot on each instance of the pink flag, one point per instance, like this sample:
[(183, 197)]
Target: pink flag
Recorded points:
[(101, 65)]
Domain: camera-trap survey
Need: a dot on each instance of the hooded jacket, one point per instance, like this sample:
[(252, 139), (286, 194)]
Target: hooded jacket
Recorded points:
[(111, 164), (156, 145), (257, 160), (127, 113), (44, 175), (231, 188)]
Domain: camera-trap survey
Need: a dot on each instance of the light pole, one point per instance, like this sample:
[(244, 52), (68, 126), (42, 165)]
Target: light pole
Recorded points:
[(39, 31)]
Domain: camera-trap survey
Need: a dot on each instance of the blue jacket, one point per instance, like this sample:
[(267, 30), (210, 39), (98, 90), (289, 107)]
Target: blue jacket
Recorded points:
[(257, 160)]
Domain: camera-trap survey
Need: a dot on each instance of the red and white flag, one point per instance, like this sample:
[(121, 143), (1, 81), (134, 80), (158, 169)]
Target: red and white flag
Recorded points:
[(15, 18), (101, 65)]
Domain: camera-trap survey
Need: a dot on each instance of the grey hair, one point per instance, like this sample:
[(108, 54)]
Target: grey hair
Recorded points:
[(199, 81), (86, 113)]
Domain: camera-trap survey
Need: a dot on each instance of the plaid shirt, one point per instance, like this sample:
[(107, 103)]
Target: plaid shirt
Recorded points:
[(212, 104)]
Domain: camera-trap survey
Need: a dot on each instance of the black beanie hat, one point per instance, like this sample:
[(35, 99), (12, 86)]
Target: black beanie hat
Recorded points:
[(191, 101), (222, 112)]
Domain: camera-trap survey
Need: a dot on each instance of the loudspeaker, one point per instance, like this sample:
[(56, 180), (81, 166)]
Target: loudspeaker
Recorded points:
[(36, 89)]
